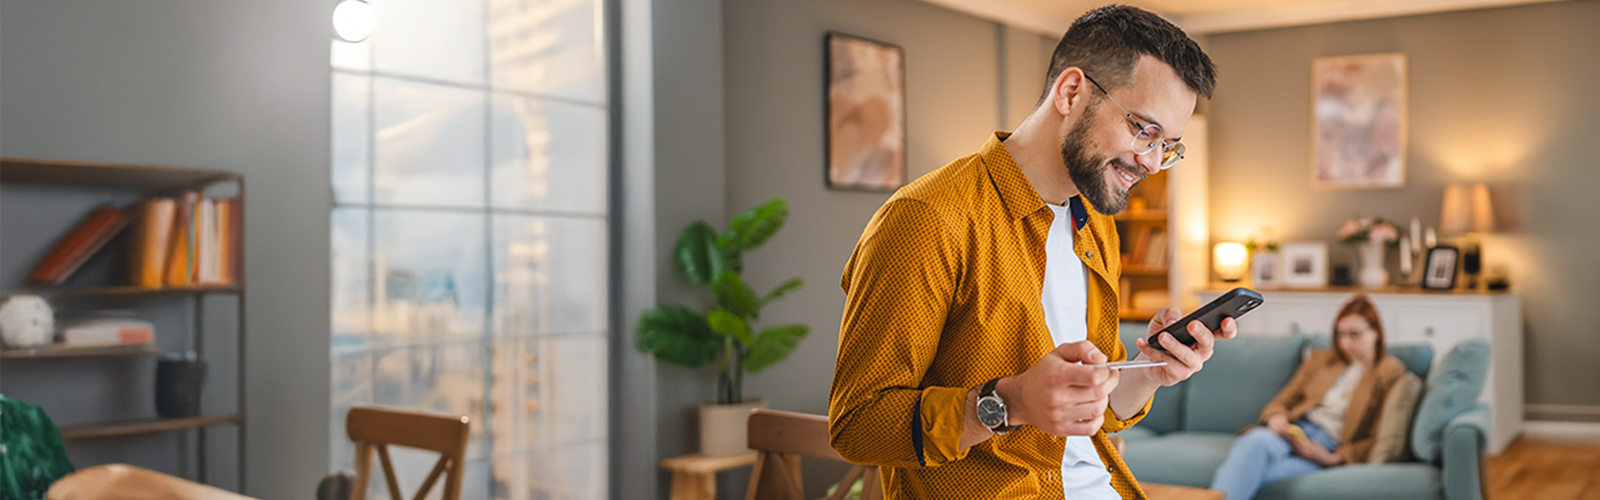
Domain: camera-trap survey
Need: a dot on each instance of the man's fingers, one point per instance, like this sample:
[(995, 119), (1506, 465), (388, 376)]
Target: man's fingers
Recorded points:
[(1080, 352), (1230, 329), (1163, 318)]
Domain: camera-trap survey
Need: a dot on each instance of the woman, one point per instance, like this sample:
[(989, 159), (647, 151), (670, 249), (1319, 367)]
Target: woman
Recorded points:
[(1326, 415)]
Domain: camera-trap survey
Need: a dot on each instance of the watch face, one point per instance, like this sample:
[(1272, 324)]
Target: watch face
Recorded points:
[(990, 412)]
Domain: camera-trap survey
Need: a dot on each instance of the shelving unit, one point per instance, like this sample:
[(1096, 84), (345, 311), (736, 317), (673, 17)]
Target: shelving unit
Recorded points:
[(102, 397), (1142, 278)]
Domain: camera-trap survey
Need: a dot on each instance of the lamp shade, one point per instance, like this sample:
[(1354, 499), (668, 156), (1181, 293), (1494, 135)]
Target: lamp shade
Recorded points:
[(1229, 259), (1467, 208)]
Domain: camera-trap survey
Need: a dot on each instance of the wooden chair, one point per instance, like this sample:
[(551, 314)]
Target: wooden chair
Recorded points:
[(372, 428), (780, 438)]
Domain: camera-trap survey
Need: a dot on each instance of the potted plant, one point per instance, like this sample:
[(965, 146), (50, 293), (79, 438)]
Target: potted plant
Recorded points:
[(726, 333)]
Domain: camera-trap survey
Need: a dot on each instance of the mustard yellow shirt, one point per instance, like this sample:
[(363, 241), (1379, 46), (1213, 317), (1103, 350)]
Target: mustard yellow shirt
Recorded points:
[(942, 294)]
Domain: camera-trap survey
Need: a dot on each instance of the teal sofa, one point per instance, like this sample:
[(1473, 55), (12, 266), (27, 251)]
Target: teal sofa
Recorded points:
[(1191, 426)]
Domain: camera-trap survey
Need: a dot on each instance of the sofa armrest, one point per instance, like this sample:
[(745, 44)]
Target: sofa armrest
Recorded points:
[(1461, 457)]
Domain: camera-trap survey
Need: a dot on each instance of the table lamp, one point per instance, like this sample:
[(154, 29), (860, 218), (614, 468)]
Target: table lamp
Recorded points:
[(1229, 258), (1468, 211)]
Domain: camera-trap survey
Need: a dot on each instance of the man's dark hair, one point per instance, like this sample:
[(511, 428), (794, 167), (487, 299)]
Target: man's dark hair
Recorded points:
[(1106, 44)]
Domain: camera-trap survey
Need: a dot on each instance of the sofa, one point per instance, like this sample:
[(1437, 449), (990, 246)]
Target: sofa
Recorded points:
[(1191, 426)]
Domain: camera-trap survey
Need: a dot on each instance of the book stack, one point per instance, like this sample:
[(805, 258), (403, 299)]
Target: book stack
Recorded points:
[(183, 241), (1150, 249)]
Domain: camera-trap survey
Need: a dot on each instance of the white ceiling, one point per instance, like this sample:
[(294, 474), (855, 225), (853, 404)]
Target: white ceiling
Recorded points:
[(1051, 17)]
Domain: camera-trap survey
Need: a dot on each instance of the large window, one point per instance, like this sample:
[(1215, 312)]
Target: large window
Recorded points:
[(469, 237)]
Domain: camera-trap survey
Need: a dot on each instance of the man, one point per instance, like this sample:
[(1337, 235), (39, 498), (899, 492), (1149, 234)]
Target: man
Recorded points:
[(991, 283)]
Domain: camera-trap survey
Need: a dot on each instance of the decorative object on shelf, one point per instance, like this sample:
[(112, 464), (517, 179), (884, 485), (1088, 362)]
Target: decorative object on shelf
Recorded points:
[(27, 321), (1468, 211), (726, 334), (179, 378), (1499, 278), (1305, 265), (866, 139), (85, 239), (1441, 268), (1229, 258), (107, 331), (1266, 269), (1358, 126), (1370, 236)]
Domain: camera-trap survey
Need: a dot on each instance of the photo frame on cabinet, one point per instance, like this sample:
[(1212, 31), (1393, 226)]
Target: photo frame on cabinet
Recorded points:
[(1305, 265), (866, 114), (1358, 122), (1440, 271), (1266, 270)]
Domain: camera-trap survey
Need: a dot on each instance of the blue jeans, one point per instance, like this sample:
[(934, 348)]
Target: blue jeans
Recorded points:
[(1261, 456)]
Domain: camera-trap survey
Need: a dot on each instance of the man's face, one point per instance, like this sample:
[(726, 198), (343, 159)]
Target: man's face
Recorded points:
[(1098, 149)]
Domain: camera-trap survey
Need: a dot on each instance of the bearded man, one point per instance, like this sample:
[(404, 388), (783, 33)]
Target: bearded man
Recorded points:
[(980, 296)]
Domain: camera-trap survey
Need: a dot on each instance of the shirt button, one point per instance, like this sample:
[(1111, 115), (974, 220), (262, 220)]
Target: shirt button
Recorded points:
[(1091, 254)]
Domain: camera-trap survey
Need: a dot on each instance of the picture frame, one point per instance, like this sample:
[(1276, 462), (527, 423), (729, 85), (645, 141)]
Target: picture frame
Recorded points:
[(865, 139), (1266, 270), (1358, 122), (1439, 272), (1305, 264)]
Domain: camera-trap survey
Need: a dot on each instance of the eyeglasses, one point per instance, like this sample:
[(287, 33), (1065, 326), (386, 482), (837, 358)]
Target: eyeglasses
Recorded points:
[(1351, 333), (1146, 137)]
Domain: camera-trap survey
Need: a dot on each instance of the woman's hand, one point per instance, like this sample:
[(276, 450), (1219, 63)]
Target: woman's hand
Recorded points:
[(1314, 452), (1279, 425)]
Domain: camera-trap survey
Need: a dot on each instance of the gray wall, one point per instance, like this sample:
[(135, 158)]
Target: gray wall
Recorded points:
[(1500, 96), (239, 86)]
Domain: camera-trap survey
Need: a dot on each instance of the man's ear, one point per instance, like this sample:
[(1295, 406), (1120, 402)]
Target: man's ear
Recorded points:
[(1067, 90)]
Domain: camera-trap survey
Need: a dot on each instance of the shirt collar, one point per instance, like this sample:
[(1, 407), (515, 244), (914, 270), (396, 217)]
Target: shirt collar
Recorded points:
[(1016, 193)]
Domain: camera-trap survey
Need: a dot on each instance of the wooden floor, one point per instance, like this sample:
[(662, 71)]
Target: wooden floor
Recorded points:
[(1546, 470)]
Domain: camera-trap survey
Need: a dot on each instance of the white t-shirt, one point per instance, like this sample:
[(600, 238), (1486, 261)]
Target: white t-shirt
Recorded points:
[(1065, 298), (1329, 414)]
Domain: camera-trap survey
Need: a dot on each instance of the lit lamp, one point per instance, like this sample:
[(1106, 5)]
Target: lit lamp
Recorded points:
[(1468, 211), (353, 20), (1228, 258)]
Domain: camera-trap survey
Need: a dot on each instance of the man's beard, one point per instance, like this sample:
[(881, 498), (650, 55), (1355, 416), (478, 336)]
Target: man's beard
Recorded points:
[(1089, 174)]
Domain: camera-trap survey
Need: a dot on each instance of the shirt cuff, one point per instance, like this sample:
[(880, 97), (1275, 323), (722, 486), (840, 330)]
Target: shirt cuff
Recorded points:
[(1113, 424), (943, 417)]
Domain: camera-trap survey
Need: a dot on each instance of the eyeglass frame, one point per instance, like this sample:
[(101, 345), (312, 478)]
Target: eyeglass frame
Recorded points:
[(1177, 148)]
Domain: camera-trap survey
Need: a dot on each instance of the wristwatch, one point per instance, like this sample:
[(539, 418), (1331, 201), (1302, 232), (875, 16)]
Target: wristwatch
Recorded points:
[(992, 409)]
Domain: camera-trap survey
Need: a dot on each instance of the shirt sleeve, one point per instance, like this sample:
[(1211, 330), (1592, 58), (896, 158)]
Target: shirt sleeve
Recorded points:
[(898, 286)]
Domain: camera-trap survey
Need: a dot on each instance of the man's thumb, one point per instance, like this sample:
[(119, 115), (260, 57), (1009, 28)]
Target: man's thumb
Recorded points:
[(1083, 352)]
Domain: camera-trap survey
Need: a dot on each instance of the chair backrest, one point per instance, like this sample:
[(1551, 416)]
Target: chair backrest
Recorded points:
[(374, 429), (780, 438)]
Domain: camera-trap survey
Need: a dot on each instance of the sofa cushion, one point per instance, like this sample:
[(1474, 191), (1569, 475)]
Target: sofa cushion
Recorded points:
[(1394, 421), (1181, 458), (1164, 412), (1359, 482), (1452, 388), (1243, 375)]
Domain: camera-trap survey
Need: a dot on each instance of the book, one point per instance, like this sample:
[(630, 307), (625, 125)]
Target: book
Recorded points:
[(152, 237), (107, 331), (180, 255), (88, 237)]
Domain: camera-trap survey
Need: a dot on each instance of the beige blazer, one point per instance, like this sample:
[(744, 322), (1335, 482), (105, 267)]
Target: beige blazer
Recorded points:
[(1311, 382)]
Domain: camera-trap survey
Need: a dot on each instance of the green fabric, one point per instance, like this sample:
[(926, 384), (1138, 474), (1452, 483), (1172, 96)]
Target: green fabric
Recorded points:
[(1181, 458), (1465, 439), (1453, 387), (1399, 481), (32, 456), (1241, 377)]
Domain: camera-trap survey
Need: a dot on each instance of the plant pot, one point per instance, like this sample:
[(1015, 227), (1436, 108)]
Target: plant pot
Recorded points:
[(1373, 272), (723, 427)]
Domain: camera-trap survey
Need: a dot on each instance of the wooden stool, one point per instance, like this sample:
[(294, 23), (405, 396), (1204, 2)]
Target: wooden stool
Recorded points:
[(694, 477)]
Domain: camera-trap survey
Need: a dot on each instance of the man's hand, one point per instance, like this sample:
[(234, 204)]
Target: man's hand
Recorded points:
[(1058, 395), (1182, 361)]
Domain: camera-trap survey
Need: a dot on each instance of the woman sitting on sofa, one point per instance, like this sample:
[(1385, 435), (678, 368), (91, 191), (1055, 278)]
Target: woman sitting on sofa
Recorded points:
[(1327, 414)]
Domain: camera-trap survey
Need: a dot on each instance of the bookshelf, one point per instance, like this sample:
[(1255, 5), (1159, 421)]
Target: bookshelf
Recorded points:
[(102, 398), (1146, 249)]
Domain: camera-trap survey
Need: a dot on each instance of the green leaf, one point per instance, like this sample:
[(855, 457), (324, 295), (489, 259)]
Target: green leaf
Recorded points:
[(782, 289), (676, 335), (774, 344), (752, 228), (735, 296), (697, 253), (730, 324)]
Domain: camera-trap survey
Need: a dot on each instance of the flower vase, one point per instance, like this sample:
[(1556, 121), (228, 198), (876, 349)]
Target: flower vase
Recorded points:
[(1373, 274)]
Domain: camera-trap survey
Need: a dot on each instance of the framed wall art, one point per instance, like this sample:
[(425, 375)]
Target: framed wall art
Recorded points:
[(1440, 270), (866, 136), (1358, 122), (1305, 265)]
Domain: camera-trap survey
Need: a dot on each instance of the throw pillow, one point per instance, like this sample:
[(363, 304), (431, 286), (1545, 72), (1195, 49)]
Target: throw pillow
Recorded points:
[(1394, 421), (1453, 387)]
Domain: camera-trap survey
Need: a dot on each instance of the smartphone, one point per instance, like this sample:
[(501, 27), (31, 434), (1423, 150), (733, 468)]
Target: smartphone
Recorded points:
[(1230, 305)]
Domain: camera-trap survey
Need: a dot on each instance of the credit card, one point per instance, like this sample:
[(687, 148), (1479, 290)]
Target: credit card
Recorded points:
[(1124, 365)]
